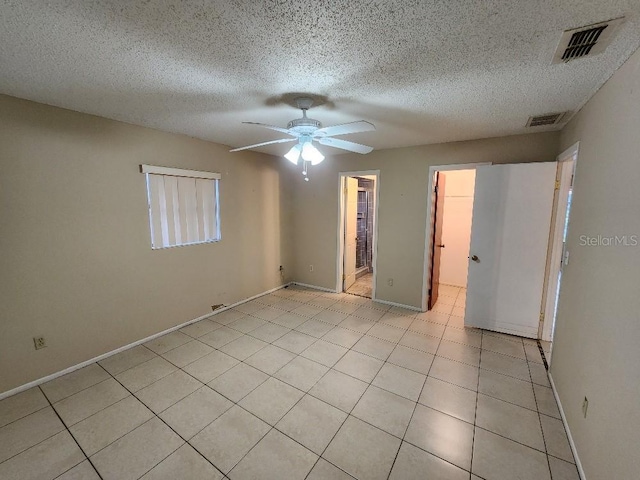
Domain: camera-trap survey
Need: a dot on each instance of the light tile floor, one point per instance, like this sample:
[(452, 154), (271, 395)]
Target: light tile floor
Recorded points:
[(299, 384), (362, 286)]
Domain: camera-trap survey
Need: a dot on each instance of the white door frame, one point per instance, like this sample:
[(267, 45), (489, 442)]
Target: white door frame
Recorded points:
[(426, 277), (555, 246), (341, 212)]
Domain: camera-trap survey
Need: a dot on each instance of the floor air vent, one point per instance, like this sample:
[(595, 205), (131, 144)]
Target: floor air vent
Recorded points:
[(586, 41), (547, 119)]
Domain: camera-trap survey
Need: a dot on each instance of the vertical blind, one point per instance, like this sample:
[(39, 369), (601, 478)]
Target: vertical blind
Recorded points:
[(183, 209)]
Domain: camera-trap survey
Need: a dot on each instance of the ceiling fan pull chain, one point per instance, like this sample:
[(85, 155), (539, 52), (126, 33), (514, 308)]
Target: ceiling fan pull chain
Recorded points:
[(305, 168)]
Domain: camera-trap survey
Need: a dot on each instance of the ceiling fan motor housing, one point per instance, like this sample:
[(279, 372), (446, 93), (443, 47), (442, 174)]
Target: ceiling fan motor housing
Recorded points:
[(304, 125)]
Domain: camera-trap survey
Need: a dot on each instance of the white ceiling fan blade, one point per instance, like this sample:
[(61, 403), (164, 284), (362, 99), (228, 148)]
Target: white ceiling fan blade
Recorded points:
[(344, 128), (345, 145), (273, 127), (282, 140)]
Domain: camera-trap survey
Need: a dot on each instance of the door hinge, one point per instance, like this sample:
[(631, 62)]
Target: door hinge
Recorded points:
[(346, 190), (557, 184), (344, 277), (541, 317)]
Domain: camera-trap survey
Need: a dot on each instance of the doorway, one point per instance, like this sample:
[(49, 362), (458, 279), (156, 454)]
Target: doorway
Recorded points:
[(558, 256), (516, 251), (357, 233), (450, 239), (450, 208)]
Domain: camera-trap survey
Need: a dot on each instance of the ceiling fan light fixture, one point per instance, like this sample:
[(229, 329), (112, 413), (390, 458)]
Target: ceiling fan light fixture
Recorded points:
[(293, 155), (311, 154)]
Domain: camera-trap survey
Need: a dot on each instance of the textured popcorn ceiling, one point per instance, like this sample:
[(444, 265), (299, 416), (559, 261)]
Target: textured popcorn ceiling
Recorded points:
[(424, 71)]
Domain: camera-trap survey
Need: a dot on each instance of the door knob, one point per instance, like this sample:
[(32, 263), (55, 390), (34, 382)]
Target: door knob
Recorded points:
[(440, 246), (475, 259)]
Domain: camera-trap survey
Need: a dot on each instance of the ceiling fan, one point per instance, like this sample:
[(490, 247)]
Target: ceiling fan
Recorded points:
[(307, 130)]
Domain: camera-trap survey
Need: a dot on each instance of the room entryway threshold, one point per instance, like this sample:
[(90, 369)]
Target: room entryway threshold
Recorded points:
[(362, 287)]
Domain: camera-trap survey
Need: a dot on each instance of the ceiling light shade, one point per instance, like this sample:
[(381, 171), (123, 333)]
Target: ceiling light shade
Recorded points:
[(311, 154), (293, 155)]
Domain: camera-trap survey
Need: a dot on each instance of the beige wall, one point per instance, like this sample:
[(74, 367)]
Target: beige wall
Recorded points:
[(75, 260), (402, 209), (456, 226), (596, 349)]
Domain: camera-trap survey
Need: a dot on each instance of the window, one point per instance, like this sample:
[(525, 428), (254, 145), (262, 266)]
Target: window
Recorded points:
[(183, 206)]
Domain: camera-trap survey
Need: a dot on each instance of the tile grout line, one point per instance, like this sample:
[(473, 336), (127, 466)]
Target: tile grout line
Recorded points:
[(339, 428), (273, 427), (536, 411), (348, 413), (294, 405), (478, 393), (475, 413), (132, 394), (161, 355), (544, 440), (402, 367), (37, 443), (416, 403), (221, 394), (74, 393), (329, 368), (25, 416), (162, 420), (415, 407), (341, 425), (71, 435)]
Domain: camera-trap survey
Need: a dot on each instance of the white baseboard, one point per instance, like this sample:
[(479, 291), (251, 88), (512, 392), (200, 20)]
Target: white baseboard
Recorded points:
[(315, 287), (401, 305), (386, 302), (566, 426), (73, 368)]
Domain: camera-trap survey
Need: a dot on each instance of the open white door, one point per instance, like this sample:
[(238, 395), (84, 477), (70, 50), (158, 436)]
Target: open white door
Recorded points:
[(509, 240), (350, 231)]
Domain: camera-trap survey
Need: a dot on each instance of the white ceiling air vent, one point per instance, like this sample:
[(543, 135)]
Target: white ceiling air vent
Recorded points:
[(586, 41), (546, 119)]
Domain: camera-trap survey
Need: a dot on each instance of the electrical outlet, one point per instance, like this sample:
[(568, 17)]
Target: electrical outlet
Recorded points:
[(311, 268), (38, 342), (585, 406), (390, 282)]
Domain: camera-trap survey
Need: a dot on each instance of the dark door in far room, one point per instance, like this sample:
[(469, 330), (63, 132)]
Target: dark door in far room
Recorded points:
[(436, 238)]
